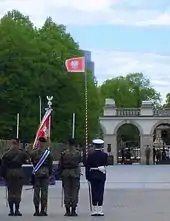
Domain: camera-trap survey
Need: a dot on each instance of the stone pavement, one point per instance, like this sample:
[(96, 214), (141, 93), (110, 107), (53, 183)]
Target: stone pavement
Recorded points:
[(120, 205), (137, 177), (126, 203)]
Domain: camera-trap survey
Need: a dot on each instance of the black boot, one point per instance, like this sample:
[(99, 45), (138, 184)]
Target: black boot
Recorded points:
[(37, 213), (11, 207), (43, 212), (17, 212), (73, 211), (68, 213)]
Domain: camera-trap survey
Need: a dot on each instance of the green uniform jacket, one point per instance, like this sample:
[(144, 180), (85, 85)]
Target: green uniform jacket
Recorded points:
[(69, 164), (12, 161), (46, 169)]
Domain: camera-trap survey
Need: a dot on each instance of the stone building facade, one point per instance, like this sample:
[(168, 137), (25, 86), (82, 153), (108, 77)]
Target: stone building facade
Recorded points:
[(146, 119)]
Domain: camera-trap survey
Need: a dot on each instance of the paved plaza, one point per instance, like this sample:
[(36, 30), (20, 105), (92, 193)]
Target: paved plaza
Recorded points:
[(130, 202)]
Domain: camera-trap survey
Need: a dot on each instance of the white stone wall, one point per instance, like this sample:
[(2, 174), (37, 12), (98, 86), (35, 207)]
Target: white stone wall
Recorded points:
[(146, 123)]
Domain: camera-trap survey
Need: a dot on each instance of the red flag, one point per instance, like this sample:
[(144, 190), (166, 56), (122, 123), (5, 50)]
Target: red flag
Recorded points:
[(75, 64), (44, 128)]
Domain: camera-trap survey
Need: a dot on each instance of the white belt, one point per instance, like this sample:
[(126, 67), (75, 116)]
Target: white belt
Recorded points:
[(100, 168)]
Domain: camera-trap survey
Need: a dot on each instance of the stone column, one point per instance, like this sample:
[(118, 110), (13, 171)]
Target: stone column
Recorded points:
[(111, 139), (146, 139)]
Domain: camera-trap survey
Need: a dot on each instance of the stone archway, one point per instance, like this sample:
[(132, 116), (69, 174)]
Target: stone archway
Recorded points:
[(161, 143), (128, 141), (133, 122), (158, 123), (146, 118)]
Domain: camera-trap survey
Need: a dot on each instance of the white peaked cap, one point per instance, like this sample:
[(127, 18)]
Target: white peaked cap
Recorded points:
[(98, 141)]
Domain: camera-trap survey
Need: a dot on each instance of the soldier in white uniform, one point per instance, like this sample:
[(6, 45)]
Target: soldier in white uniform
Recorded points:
[(96, 174)]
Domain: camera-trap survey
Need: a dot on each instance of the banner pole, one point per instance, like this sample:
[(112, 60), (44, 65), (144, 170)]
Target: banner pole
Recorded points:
[(40, 108), (49, 99), (73, 125), (17, 125)]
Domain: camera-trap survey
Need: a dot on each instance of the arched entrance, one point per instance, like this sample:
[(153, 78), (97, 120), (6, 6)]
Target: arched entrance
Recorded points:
[(161, 143), (128, 144)]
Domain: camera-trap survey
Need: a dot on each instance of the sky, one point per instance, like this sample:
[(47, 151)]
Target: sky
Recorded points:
[(124, 36)]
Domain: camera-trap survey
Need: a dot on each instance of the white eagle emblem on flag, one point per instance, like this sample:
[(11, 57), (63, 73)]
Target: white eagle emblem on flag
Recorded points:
[(74, 64)]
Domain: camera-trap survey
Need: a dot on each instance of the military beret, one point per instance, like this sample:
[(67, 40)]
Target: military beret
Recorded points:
[(42, 139), (15, 141)]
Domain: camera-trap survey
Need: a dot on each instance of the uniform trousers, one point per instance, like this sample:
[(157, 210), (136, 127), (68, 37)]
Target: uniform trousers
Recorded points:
[(97, 190), (41, 192), (71, 187), (14, 186)]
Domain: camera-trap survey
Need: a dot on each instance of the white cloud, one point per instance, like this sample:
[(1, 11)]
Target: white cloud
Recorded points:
[(126, 12), (163, 19), (109, 64)]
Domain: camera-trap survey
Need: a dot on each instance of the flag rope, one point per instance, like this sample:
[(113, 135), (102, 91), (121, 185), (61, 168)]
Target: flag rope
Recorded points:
[(86, 116)]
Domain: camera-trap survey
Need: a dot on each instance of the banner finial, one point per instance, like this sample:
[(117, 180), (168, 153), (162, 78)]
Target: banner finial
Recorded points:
[(49, 99)]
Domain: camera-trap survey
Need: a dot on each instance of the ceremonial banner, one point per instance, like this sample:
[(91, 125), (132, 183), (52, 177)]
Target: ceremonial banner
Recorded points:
[(76, 64), (44, 128)]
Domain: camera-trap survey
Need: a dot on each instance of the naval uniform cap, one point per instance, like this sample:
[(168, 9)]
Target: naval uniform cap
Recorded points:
[(98, 141)]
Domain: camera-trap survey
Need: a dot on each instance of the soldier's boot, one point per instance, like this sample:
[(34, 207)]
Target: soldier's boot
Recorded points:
[(17, 212), (11, 207), (43, 212), (68, 213), (73, 211), (37, 213)]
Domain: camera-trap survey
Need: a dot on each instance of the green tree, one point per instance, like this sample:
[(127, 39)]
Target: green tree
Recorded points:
[(33, 65), (129, 91), (17, 51), (167, 102)]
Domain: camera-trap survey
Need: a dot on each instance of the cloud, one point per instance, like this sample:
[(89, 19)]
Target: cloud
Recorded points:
[(109, 64), (97, 12), (163, 19), (85, 12)]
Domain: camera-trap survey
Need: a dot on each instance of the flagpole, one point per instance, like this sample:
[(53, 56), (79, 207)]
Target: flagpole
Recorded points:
[(49, 99), (73, 125), (77, 64), (40, 108), (17, 125), (86, 133)]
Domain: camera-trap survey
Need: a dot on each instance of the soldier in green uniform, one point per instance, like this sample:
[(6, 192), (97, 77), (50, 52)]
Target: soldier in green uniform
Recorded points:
[(12, 172), (69, 170), (41, 176)]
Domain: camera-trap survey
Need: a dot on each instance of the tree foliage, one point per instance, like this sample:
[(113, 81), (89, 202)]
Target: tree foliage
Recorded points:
[(129, 91), (32, 65), (167, 102)]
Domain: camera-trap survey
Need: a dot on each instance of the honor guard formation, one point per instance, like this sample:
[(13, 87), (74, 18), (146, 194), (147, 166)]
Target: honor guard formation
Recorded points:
[(69, 169)]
